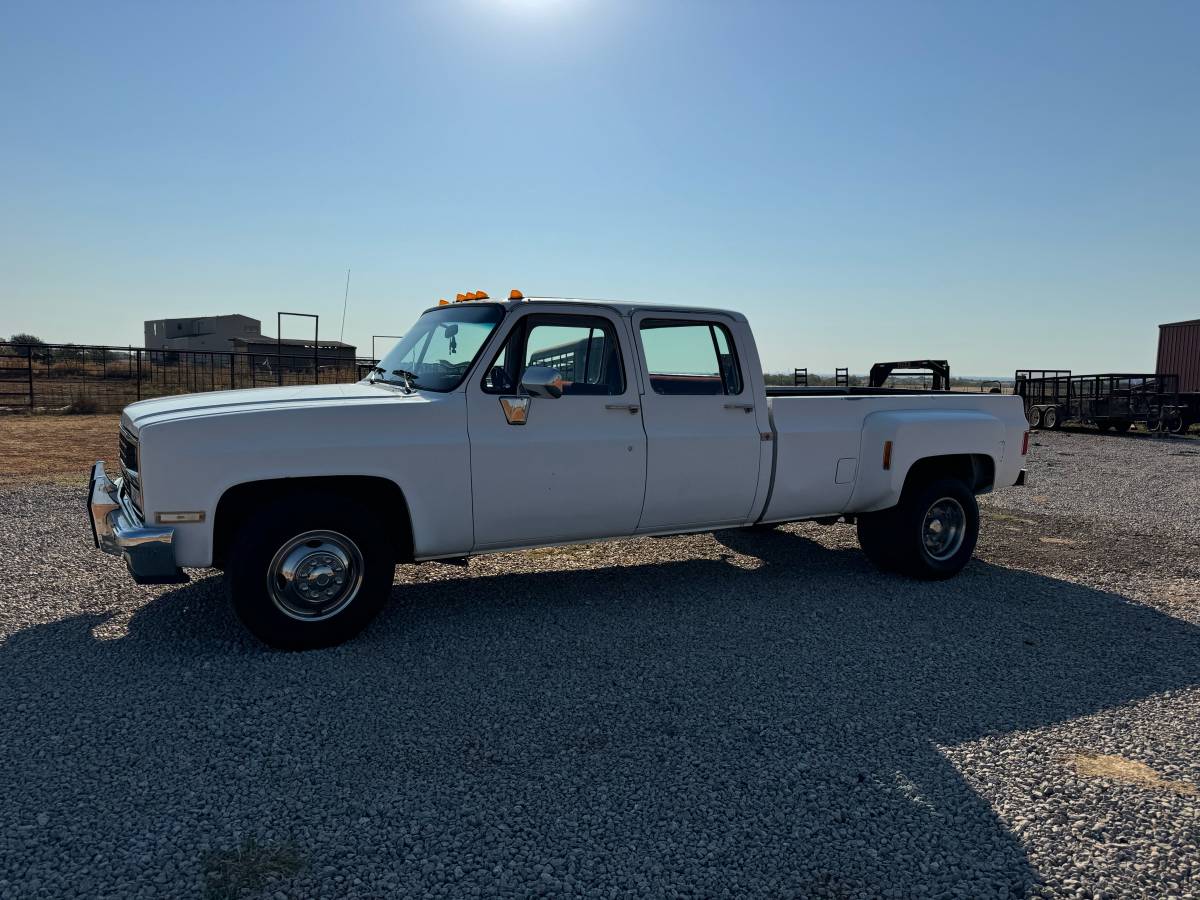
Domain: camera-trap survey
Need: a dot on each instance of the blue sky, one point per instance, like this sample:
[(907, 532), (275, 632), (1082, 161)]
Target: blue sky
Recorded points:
[(1005, 185)]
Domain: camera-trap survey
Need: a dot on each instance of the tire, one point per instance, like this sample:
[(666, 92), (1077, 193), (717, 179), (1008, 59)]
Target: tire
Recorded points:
[(1050, 418), (1104, 424), (1035, 417), (342, 569), (1172, 423), (930, 534), (1120, 426), (876, 536)]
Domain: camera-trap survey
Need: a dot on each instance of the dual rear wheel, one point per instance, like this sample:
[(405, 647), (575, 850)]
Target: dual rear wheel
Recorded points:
[(930, 534)]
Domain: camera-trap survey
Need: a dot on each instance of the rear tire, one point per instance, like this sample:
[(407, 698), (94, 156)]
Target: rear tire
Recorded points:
[(309, 572), (1050, 418), (930, 534)]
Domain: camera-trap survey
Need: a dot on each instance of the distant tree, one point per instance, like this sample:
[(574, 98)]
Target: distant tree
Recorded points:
[(38, 345)]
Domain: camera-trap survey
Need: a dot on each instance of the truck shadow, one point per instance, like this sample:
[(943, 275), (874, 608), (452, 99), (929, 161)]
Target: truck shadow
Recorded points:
[(696, 723)]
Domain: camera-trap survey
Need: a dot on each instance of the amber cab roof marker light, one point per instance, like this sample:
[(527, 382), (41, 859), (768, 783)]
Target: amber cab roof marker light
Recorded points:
[(459, 298), (514, 294), (482, 295), (443, 302)]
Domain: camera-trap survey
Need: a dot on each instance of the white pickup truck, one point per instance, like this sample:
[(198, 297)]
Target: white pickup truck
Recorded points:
[(530, 422)]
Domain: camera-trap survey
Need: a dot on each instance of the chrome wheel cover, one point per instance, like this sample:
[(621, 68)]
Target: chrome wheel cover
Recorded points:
[(315, 575), (944, 528)]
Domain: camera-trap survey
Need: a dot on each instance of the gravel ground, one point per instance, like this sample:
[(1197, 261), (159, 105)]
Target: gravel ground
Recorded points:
[(716, 715)]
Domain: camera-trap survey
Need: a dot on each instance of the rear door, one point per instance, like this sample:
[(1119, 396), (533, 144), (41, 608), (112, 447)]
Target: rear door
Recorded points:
[(699, 410), (546, 470)]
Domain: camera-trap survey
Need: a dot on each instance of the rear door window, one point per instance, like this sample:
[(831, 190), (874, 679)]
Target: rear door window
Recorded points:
[(690, 358)]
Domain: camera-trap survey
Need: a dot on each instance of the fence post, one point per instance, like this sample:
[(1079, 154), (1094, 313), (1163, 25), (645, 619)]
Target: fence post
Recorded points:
[(29, 372), (232, 377), (139, 373)]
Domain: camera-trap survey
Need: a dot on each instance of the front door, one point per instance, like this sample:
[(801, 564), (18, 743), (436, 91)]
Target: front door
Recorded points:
[(701, 423), (545, 469)]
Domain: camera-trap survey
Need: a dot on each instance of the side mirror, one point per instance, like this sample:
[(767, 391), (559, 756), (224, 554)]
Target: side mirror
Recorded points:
[(542, 381)]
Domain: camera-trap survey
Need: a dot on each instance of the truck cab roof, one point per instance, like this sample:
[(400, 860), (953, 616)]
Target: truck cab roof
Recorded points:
[(620, 307)]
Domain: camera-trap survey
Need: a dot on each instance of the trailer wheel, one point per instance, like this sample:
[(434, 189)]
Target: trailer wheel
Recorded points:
[(1120, 426), (1035, 417), (1173, 423), (1104, 424), (1050, 418), (1153, 423), (930, 534)]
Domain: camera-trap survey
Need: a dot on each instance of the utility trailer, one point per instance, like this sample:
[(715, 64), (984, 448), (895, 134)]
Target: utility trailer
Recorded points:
[(1110, 401)]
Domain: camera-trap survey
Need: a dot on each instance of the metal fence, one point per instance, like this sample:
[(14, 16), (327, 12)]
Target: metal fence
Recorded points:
[(105, 379)]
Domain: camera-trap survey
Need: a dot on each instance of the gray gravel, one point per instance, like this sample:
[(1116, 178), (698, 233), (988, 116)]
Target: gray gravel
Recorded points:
[(730, 715)]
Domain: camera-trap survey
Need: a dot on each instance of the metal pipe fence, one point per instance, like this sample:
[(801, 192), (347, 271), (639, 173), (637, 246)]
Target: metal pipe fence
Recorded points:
[(106, 378)]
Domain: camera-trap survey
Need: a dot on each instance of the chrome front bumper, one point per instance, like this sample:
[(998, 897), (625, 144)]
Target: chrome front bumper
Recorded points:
[(117, 528)]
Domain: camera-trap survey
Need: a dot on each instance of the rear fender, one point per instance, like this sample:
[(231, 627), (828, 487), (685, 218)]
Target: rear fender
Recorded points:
[(918, 435)]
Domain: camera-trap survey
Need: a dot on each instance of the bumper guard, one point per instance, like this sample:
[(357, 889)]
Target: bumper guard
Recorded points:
[(117, 528)]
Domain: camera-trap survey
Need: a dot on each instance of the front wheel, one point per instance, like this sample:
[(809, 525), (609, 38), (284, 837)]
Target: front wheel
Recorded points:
[(929, 534), (308, 573)]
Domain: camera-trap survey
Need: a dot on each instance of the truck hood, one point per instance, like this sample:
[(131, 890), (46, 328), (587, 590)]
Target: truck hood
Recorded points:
[(187, 406)]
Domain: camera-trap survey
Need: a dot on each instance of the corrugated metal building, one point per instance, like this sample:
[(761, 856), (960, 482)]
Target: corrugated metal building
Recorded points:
[(1179, 353)]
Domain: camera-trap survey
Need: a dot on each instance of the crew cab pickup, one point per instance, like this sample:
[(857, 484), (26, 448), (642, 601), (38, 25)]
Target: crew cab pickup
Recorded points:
[(496, 425)]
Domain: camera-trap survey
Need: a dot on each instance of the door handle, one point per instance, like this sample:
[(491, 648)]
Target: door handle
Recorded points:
[(632, 407), (747, 407)]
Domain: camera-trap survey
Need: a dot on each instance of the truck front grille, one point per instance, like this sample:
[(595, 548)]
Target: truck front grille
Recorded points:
[(128, 454)]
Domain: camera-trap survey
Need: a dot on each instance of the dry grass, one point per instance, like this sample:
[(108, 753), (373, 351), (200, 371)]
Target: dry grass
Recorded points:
[(244, 871), (55, 448), (1127, 771)]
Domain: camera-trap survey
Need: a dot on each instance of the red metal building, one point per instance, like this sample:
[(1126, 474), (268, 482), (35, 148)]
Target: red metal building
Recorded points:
[(1179, 353)]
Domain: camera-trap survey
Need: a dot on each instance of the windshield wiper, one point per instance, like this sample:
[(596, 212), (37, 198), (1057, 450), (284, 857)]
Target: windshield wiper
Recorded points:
[(406, 376), (409, 379)]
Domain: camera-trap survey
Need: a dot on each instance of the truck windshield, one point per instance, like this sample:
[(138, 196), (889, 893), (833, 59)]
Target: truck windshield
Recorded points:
[(437, 352)]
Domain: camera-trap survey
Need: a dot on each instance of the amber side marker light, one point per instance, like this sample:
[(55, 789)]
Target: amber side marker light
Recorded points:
[(887, 455), (175, 518)]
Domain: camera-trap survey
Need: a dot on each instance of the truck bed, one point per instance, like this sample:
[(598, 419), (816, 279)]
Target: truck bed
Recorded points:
[(827, 451), (825, 391)]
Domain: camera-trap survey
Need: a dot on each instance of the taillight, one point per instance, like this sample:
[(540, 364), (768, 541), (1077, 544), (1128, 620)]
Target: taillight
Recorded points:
[(1025, 444), (887, 455)]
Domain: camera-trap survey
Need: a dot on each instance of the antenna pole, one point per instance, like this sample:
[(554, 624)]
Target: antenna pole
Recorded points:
[(345, 303)]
